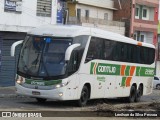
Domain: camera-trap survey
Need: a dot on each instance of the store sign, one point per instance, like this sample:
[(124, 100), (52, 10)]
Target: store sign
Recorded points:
[(18, 6), (13, 5), (59, 12)]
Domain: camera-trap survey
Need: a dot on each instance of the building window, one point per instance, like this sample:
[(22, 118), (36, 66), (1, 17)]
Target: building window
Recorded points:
[(144, 13), (79, 15), (135, 36), (105, 16), (44, 8), (137, 12), (142, 38), (87, 14)]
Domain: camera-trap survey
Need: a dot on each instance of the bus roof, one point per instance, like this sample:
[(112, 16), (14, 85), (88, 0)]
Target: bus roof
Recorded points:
[(73, 30)]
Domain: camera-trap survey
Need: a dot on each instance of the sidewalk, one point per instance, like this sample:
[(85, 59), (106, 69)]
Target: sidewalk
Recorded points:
[(8, 92)]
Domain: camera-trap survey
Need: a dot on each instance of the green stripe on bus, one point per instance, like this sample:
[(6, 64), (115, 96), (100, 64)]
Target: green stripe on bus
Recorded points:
[(127, 71), (42, 82), (147, 72), (123, 81), (138, 71), (91, 69), (113, 69)]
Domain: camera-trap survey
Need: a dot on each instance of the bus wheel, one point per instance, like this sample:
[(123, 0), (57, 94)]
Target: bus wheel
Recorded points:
[(132, 95), (41, 100), (139, 94), (158, 86), (84, 97)]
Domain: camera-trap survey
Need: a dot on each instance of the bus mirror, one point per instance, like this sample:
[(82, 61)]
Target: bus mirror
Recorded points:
[(69, 51), (13, 47)]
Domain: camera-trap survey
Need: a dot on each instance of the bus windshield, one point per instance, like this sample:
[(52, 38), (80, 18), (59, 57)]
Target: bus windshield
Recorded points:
[(43, 56)]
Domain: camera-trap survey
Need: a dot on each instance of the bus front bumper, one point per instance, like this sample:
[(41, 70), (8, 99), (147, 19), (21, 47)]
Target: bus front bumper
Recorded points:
[(55, 94)]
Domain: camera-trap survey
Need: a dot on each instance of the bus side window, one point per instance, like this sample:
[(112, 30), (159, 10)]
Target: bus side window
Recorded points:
[(145, 52), (130, 54), (109, 49), (138, 52), (117, 52), (125, 47), (74, 62), (151, 56), (95, 49)]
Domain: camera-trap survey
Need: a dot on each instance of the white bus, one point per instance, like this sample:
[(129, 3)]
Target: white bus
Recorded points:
[(80, 63)]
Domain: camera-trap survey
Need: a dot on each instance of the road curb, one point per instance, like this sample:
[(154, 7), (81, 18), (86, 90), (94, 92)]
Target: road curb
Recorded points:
[(8, 95), (8, 92)]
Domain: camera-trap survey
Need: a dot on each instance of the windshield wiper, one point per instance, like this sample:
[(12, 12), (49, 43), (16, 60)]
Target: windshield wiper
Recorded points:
[(36, 61), (44, 65)]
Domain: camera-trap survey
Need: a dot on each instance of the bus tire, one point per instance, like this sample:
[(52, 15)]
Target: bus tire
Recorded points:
[(158, 86), (84, 97), (41, 100), (132, 95), (139, 94)]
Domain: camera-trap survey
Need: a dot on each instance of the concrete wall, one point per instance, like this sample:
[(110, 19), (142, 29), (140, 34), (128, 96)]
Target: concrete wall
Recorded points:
[(95, 12), (11, 21), (115, 29), (149, 37), (99, 3)]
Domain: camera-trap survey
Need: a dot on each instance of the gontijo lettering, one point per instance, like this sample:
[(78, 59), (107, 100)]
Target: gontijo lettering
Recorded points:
[(107, 69)]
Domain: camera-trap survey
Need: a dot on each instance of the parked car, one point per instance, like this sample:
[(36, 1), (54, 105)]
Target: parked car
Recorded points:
[(156, 82)]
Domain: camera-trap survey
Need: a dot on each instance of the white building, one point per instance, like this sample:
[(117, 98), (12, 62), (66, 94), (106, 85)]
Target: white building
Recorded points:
[(22, 15), (16, 18), (94, 13)]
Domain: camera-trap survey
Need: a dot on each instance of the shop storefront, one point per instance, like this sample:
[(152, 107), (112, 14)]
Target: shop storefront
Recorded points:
[(8, 63)]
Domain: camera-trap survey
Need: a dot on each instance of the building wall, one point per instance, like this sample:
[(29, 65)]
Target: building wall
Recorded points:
[(127, 13), (100, 3), (158, 57), (149, 37), (95, 12), (13, 27), (11, 21), (148, 24), (72, 9), (97, 15), (123, 12), (147, 2), (115, 29)]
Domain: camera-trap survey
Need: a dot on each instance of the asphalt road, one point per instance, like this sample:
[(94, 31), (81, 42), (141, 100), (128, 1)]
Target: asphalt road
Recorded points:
[(12, 103), (26, 103)]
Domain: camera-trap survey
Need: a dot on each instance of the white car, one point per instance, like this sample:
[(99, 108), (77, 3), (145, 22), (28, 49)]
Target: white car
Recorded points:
[(156, 83)]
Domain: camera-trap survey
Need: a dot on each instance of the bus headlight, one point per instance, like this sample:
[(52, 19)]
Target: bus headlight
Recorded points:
[(20, 80), (61, 85)]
